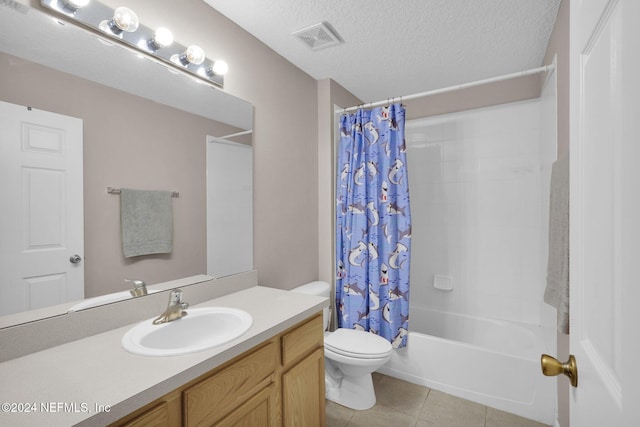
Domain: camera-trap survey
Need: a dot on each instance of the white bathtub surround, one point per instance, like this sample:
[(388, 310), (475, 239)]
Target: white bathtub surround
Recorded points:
[(477, 198)]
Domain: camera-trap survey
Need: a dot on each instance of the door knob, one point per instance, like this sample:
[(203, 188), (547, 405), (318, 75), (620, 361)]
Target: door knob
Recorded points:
[(552, 367), (75, 259)]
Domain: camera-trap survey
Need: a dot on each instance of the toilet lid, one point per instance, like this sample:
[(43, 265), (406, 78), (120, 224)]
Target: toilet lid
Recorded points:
[(350, 342)]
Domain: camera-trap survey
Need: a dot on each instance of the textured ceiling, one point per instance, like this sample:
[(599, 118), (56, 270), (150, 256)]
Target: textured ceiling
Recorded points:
[(396, 48)]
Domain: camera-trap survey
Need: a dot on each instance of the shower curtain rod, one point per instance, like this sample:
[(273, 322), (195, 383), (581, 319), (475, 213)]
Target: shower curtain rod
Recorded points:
[(453, 88)]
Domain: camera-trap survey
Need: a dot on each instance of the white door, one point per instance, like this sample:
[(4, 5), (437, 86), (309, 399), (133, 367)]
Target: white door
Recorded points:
[(41, 214), (605, 212)]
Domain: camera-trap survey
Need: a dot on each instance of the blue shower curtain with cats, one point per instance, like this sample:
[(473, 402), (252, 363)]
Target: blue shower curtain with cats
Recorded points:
[(373, 224)]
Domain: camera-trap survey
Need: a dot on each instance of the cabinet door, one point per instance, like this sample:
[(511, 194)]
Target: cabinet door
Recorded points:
[(303, 392), (258, 411)]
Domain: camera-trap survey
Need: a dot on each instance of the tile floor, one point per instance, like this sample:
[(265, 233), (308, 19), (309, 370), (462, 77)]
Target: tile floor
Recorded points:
[(402, 404)]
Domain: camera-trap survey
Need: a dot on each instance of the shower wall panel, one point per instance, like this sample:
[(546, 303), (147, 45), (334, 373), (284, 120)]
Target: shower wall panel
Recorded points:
[(477, 198)]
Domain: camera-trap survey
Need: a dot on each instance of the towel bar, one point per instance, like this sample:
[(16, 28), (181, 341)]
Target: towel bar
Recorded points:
[(112, 190)]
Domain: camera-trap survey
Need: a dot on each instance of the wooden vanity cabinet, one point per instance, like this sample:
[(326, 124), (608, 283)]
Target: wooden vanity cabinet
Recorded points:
[(279, 382)]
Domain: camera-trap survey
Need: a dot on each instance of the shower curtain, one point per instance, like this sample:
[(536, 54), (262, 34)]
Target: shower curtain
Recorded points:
[(373, 224)]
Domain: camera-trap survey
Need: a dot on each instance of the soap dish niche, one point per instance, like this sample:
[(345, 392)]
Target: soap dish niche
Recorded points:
[(444, 283)]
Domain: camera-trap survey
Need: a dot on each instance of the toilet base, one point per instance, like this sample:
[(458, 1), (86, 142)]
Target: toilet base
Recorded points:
[(353, 392)]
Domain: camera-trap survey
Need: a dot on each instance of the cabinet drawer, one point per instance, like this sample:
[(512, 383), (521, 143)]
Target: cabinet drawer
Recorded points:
[(302, 340), (211, 399)]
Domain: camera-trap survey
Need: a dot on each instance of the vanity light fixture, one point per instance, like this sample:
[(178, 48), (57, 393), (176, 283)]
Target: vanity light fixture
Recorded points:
[(123, 25)]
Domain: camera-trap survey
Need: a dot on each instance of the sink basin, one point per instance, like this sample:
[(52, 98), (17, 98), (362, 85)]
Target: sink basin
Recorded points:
[(201, 329)]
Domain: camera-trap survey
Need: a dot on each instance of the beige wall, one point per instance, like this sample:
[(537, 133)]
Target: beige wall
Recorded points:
[(128, 142), (559, 47), (512, 90)]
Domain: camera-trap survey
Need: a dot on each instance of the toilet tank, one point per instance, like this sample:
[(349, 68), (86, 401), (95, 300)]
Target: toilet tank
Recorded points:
[(318, 288)]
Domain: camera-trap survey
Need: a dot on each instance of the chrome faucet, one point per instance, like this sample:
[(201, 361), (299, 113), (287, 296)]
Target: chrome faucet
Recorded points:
[(139, 288), (175, 309)]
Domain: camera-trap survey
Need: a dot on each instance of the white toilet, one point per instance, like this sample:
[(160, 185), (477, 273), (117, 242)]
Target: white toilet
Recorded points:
[(350, 358)]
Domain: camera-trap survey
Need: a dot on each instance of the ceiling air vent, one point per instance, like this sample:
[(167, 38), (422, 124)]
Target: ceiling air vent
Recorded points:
[(318, 36)]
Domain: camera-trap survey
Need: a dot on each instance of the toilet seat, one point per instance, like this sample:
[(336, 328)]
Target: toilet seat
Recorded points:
[(357, 344)]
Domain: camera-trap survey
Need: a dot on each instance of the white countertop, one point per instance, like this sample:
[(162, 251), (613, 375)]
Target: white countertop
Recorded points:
[(71, 384)]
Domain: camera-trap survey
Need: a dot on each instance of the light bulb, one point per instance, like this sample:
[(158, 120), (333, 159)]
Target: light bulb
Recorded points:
[(125, 19), (193, 55), (163, 37), (219, 68)]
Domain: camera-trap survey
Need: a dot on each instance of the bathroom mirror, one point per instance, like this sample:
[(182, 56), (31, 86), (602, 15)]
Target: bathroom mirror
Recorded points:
[(29, 35)]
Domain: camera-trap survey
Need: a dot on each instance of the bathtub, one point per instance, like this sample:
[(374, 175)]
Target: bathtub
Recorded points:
[(491, 362)]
